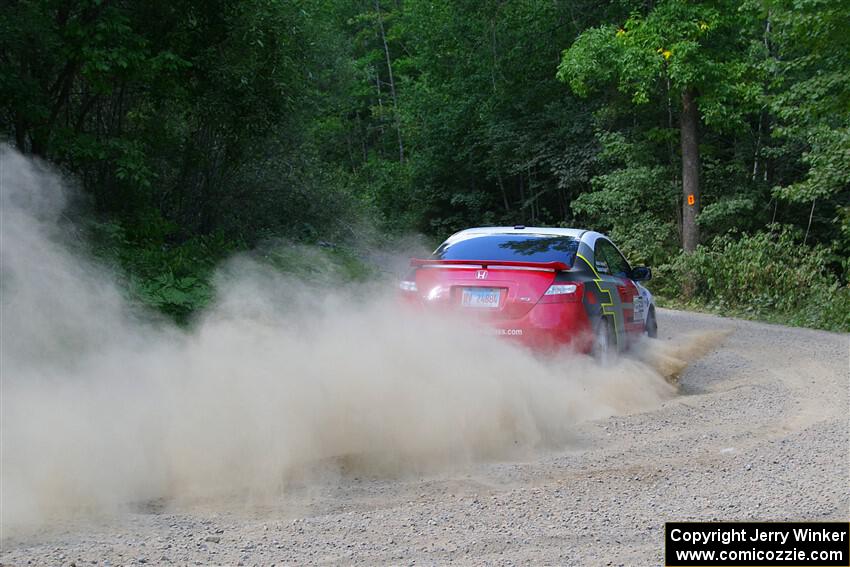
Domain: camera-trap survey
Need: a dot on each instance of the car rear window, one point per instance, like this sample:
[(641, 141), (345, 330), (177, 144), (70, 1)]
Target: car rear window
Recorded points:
[(511, 247)]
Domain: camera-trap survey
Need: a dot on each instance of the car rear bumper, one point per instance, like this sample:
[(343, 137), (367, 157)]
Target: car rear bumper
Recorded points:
[(548, 327)]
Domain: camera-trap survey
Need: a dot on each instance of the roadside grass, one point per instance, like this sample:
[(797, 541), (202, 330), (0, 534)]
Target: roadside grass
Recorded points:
[(806, 320), (766, 276)]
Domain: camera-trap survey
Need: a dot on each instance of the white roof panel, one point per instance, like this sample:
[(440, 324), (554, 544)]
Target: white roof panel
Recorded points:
[(528, 230)]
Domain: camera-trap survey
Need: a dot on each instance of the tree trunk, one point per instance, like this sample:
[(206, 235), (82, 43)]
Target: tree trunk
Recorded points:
[(690, 171), (809, 226), (504, 191), (20, 133), (392, 80)]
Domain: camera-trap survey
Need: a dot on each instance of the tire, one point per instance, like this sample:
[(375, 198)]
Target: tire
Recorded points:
[(604, 340), (651, 326)]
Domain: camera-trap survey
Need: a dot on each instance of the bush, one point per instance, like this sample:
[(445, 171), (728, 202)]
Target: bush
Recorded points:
[(176, 278), (172, 277), (767, 275)]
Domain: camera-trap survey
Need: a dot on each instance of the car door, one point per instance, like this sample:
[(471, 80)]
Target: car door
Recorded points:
[(609, 293), (626, 291)]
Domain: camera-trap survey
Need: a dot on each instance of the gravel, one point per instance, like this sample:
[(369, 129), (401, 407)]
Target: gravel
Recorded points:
[(759, 432)]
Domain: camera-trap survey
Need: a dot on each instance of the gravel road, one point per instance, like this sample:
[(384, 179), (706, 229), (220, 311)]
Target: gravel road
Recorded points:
[(759, 432)]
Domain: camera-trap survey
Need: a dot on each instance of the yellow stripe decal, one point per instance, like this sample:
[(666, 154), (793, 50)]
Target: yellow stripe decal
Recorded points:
[(610, 303)]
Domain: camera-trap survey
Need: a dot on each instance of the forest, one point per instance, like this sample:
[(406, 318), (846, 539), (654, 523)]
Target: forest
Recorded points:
[(709, 139)]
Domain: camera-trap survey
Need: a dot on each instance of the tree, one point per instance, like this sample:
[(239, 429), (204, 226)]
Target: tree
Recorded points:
[(811, 102), (682, 50), (159, 107)]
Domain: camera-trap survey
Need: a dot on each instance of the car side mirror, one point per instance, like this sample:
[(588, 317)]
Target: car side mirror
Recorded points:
[(641, 274)]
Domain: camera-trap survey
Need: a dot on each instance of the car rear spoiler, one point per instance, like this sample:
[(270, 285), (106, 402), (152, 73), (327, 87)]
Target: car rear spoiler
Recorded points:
[(484, 264)]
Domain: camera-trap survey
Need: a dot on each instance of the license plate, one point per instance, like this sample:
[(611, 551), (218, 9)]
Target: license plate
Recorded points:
[(480, 297)]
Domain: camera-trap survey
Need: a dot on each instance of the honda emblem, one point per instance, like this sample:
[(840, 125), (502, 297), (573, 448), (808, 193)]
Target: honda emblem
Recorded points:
[(481, 275)]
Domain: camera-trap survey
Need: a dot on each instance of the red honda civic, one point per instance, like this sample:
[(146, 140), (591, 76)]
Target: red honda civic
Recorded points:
[(547, 288)]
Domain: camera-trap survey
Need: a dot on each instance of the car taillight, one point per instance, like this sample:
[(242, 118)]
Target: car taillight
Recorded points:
[(563, 293), (406, 285)]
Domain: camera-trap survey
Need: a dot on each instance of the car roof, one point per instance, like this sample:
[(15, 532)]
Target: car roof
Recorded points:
[(577, 233)]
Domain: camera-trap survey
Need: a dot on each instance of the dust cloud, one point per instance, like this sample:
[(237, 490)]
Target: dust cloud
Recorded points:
[(104, 406)]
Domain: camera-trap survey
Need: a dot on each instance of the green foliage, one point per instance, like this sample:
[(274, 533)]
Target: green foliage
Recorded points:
[(588, 64), (324, 263), (633, 201), (811, 101), (197, 111), (203, 130), (176, 278), (171, 277), (765, 275), (690, 45), (178, 297)]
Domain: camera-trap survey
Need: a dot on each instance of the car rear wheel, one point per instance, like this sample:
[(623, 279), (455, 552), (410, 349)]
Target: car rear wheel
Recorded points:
[(651, 325), (604, 341)]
